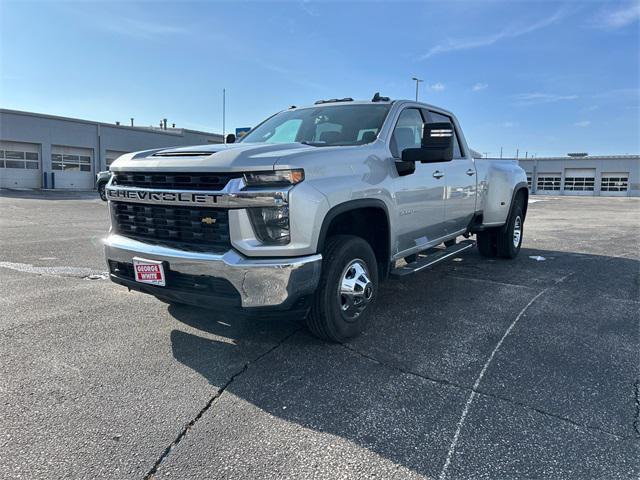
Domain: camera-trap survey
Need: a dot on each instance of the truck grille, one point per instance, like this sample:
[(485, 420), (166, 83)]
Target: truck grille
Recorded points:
[(174, 181), (186, 228)]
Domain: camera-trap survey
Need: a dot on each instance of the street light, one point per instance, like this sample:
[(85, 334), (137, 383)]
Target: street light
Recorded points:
[(417, 80)]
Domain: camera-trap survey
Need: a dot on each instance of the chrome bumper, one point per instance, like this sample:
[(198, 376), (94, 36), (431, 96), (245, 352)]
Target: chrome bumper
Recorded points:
[(259, 282)]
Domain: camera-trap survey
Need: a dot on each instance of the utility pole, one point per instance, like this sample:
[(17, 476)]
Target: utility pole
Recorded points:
[(418, 81), (224, 113), (500, 152), (517, 153)]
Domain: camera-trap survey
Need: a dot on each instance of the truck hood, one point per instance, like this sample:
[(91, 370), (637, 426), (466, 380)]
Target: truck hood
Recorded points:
[(217, 157)]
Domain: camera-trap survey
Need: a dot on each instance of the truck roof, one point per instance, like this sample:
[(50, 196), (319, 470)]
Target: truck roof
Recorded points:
[(332, 103)]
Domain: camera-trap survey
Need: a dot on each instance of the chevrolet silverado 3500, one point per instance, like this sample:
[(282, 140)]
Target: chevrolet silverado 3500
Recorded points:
[(310, 211)]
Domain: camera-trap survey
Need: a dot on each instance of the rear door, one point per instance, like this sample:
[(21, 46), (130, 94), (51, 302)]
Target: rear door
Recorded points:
[(419, 196), (460, 183)]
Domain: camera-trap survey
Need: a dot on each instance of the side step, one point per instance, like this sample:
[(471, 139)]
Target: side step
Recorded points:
[(431, 258)]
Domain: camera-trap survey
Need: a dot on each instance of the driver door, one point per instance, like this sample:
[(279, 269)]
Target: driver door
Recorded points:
[(419, 196)]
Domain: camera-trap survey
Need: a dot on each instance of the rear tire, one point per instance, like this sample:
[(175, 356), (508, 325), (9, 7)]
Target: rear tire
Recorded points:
[(510, 236), (348, 288), (487, 243)]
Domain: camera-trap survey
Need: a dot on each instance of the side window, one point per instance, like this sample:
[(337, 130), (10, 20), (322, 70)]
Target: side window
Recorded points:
[(438, 117), (408, 131)]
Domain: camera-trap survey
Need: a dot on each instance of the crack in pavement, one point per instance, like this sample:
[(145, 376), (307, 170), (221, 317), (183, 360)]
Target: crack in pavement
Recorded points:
[(484, 393), (72, 272), (467, 407), (636, 421), (156, 466)]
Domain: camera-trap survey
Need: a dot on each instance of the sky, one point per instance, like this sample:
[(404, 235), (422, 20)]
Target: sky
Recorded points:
[(543, 77)]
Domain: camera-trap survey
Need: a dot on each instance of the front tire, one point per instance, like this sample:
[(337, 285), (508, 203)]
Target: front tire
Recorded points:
[(348, 288), (102, 191)]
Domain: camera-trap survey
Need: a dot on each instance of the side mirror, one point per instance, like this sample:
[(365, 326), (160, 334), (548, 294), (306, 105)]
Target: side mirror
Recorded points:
[(231, 138), (437, 144)]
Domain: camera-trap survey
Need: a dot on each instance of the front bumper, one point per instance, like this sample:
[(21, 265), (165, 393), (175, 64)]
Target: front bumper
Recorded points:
[(255, 282)]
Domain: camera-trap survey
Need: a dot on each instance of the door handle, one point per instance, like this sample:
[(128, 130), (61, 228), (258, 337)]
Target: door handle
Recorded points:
[(471, 171), (438, 174)]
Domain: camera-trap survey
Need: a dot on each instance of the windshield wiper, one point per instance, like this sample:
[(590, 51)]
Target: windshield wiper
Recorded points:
[(313, 144)]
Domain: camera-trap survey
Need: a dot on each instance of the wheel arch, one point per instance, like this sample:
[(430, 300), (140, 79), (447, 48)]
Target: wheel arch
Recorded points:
[(354, 217), (521, 189)]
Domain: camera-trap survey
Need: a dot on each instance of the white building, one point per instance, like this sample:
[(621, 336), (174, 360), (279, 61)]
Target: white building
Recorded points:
[(45, 151), (582, 174)]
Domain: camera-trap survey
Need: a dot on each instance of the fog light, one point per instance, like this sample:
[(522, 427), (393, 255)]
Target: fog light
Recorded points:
[(271, 224)]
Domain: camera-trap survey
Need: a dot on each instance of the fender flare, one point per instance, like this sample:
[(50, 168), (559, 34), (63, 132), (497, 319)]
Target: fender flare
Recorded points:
[(348, 206), (520, 186)]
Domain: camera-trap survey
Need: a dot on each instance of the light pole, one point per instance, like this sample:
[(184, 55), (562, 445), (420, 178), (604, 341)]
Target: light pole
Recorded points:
[(417, 80), (224, 113)]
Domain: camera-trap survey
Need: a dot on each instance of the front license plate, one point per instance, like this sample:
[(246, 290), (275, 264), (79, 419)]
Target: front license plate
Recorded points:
[(149, 271)]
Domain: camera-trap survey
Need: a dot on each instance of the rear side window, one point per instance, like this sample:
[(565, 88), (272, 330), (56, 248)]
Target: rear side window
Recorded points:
[(438, 117)]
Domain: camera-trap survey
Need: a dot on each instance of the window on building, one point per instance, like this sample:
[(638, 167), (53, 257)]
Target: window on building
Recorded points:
[(582, 184), (614, 182), (111, 156), (19, 155), (548, 181), (529, 180), (71, 159)]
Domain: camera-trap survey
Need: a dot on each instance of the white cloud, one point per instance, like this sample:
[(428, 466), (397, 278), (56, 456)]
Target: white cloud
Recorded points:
[(621, 17), (436, 87), (536, 98), (305, 5), (479, 86), (508, 124), (582, 123), (140, 28), (511, 31)]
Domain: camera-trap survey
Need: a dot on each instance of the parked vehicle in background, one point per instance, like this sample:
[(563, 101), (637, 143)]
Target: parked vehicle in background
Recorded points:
[(310, 211), (102, 178)]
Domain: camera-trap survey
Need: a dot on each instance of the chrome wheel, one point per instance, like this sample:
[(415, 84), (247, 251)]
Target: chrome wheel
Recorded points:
[(355, 291), (517, 231)]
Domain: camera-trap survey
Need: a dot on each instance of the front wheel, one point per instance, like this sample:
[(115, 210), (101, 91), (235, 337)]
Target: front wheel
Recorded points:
[(102, 191), (347, 290)]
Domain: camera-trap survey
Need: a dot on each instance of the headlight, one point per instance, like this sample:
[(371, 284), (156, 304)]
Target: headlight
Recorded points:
[(271, 224), (276, 178)]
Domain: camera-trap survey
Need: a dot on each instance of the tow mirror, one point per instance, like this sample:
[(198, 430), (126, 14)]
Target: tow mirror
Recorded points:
[(437, 144), (231, 138)]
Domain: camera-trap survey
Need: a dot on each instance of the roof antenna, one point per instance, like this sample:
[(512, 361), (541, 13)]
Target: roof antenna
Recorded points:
[(378, 98)]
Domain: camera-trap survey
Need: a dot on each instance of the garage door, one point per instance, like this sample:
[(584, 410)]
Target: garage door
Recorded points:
[(548, 183), (579, 181), (614, 184), (73, 167), (20, 165)]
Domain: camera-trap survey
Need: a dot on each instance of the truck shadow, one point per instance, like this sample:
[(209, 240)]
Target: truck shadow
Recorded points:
[(362, 394)]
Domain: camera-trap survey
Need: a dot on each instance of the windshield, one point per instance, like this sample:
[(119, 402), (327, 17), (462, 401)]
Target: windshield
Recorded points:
[(323, 125)]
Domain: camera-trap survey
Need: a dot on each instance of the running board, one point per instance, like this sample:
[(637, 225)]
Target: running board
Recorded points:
[(427, 260)]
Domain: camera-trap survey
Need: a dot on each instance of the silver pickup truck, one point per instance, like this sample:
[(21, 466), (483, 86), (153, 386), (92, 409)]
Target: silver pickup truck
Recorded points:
[(310, 211)]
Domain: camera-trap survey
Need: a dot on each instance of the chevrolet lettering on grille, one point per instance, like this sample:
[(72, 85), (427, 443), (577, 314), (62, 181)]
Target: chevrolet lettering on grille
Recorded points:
[(177, 198)]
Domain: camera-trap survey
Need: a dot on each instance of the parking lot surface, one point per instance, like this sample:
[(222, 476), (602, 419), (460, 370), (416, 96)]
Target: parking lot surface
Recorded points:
[(474, 369)]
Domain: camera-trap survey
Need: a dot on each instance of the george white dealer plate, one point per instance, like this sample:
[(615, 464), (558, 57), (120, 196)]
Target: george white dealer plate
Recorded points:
[(149, 271)]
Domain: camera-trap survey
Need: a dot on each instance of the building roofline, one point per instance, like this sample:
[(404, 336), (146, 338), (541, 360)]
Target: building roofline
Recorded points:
[(588, 157), (169, 131)]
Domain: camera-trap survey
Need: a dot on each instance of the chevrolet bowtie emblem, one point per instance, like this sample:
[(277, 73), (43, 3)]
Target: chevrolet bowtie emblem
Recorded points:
[(208, 220)]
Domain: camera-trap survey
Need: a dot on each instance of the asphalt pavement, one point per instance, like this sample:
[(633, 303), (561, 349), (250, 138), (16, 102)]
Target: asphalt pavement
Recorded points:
[(475, 368)]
